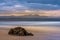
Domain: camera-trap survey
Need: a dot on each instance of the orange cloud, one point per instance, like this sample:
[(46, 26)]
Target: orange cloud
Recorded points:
[(51, 13)]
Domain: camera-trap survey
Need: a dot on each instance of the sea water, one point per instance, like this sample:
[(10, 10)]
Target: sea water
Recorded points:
[(38, 35), (30, 23)]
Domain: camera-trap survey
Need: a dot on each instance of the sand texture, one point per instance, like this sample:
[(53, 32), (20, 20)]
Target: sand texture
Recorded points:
[(38, 35)]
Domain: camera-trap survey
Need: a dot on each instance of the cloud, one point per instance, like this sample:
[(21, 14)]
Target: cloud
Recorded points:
[(42, 6), (25, 4), (13, 7), (2, 4)]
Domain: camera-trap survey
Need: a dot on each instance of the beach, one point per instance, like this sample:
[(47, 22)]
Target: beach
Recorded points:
[(40, 33)]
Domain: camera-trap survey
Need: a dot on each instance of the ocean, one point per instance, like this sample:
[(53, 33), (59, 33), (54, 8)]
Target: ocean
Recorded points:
[(30, 23), (42, 30), (28, 18)]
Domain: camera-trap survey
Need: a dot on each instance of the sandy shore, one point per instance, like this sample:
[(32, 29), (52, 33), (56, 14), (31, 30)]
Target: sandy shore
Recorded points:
[(40, 33)]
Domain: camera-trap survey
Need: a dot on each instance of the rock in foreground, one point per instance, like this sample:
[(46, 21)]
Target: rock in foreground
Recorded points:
[(19, 31)]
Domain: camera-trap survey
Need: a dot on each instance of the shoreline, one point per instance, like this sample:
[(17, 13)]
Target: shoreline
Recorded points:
[(40, 33), (36, 29)]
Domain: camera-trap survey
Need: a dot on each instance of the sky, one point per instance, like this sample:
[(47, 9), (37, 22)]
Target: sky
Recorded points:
[(17, 5)]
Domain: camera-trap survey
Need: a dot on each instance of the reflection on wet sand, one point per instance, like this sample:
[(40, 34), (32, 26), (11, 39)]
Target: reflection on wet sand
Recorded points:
[(40, 33)]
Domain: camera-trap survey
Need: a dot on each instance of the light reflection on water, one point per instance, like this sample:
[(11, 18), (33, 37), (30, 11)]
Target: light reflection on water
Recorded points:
[(30, 23), (39, 36)]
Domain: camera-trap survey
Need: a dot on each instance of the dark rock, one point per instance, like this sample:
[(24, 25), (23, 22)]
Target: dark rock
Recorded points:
[(29, 34), (19, 31)]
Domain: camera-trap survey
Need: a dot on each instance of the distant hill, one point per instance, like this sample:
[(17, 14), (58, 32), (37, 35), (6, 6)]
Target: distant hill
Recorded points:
[(28, 18)]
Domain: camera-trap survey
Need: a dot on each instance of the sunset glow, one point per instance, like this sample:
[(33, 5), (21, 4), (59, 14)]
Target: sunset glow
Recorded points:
[(26, 8)]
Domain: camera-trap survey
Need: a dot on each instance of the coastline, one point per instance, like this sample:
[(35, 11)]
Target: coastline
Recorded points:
[(40, 33), (36, 28)]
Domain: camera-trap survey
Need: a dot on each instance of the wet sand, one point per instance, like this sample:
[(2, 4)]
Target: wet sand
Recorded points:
[(40, 33)]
